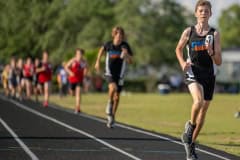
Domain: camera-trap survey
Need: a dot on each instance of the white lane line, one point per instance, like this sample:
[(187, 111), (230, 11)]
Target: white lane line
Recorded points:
[(20, 142), (171, 140), (142, 131), (74, 129)]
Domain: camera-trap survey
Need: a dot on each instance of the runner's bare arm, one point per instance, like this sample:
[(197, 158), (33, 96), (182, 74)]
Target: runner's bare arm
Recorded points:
[(127, 56), (67, 66), (217, 56), (40, 69), (180, 46), (100, 53)]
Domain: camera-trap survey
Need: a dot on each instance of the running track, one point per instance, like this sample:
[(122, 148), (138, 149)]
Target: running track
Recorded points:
[(29, 131)]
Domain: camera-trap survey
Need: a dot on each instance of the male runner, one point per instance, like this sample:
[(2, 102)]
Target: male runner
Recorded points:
[(118, 54), (204, 52), (77, 68), (44, 72)]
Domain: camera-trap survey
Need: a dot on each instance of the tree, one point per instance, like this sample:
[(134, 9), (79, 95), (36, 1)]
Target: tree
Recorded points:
[(60, 26), (13, 28), (153, 28), (81, 23), (23, 24), (229, 23)]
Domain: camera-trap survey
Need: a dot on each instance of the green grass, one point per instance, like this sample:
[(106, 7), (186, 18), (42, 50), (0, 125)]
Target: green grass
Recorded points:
[(168, 113)]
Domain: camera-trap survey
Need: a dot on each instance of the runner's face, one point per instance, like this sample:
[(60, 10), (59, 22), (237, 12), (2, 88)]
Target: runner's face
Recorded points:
[(36, 62), (20, 63), (13, 63), (7, 68), (78, 55), (45, 57), (118, 37), (203, 13), (29, 61)]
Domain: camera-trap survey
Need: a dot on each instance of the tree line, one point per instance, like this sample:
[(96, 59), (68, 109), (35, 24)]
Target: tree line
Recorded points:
[(27, 27)]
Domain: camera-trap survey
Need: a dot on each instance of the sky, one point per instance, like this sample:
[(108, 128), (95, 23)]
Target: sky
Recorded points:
[(217, 7)]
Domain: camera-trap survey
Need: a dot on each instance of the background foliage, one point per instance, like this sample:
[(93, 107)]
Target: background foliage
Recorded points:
[(27, 27)]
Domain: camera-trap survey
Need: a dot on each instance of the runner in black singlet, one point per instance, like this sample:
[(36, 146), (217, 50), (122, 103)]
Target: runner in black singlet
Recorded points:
[(204, 52), (118, 55)]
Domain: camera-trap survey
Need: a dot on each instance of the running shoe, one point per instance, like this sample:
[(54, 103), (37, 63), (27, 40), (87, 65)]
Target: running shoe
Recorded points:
[(45, 104), (187, 141), (77, 110), (19, 97), (190, 151), (193, 152), (187, 134)]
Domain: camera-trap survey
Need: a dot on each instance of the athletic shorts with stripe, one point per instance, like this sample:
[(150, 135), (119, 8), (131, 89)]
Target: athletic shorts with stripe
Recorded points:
[(208, 84), (117, 80)]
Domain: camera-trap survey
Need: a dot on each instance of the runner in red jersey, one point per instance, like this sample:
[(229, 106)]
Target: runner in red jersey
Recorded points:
[(28, 75), (77, 68), (44, 72)]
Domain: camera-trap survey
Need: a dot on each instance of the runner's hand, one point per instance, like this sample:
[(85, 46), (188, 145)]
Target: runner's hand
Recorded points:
[(186, 65), (210, 50), (71, 74), (97, 67)]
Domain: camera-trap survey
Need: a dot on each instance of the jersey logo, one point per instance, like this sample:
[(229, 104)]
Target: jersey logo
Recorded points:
[(198, 46), (114, 54)]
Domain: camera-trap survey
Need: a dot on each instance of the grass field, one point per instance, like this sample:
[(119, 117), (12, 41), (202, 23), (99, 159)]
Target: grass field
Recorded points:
[(168, 113)]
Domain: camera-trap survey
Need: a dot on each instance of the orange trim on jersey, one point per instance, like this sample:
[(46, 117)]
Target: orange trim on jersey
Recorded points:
[(199, 48), (114, 56)]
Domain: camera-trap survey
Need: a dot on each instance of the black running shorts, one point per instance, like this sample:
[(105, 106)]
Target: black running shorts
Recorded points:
[(117, 80), (74, 85), (208, 84)]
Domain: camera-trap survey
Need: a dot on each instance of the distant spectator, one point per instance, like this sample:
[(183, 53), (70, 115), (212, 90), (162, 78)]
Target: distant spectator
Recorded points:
[(98, 83), (87, 83), (62, 80), (175, 81)]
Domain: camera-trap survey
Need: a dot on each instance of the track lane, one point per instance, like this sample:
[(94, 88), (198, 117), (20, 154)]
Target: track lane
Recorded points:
[(9, 148), (139, 144), (49, 140)]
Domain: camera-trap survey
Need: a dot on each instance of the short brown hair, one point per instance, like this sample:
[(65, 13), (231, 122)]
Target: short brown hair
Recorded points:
[(80, 50), (118, 29), (45, 52), (203, 3)]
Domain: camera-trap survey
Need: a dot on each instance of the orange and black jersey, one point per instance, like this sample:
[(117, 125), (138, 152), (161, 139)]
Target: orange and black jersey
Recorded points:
[(202, 69), (115, 66), (197, 52)]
